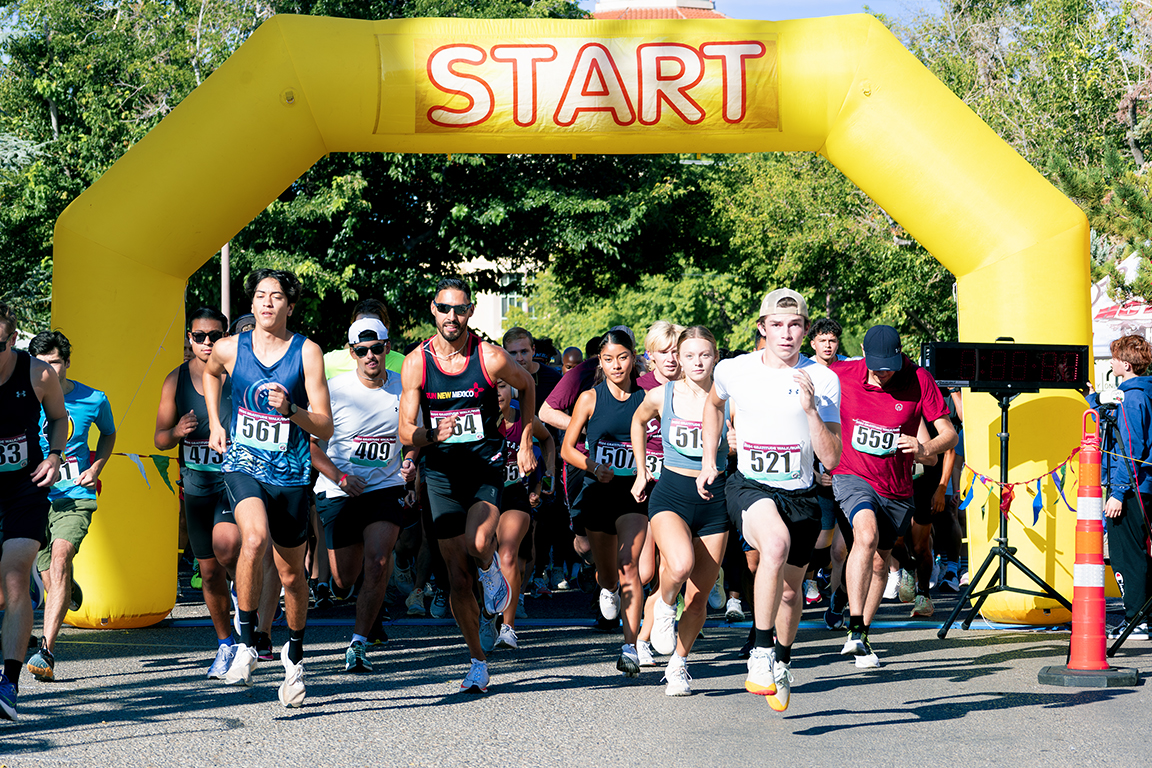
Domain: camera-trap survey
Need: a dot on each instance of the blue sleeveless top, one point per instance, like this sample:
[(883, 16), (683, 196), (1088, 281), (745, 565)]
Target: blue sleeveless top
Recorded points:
[(266, 445), (684, 440)]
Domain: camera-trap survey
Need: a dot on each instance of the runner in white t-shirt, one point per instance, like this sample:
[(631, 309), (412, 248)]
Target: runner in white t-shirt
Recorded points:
[(360, 492), (785, 409)]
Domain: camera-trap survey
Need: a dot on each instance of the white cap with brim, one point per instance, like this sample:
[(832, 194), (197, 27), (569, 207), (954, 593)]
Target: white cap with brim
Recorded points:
[(367, 329)]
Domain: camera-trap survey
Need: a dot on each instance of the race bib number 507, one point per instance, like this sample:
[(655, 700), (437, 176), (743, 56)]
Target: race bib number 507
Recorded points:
[(619, 456)]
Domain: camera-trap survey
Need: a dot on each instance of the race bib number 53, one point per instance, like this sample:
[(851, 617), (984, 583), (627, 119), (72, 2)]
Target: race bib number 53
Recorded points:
[(771, 463), (266, 431), (13, 453), (468, 428), (875, 440)]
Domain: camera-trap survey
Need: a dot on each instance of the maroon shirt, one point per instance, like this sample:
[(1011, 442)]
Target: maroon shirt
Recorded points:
[(873, 418), (572, 384)]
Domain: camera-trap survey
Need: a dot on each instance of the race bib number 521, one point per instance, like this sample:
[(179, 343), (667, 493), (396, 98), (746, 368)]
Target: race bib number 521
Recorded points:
[(771, 463)]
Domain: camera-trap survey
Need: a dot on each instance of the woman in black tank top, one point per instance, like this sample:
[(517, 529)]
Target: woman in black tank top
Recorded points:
[(616, 523)]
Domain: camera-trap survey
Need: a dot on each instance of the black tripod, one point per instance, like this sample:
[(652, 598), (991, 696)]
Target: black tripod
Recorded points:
[(1001, 553)]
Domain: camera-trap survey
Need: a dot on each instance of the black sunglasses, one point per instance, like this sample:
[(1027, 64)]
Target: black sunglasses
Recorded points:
[(212, 336), (375, 349), (446, 308)]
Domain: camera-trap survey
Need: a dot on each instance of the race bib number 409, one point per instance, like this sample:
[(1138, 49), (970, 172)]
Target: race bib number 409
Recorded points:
[(467, 429), (771, 463), (13, 453), (372, 451), (266, 431), (875, 440), (619, 456)]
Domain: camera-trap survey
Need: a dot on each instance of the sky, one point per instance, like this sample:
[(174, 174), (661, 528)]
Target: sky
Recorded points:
[(780, 10)]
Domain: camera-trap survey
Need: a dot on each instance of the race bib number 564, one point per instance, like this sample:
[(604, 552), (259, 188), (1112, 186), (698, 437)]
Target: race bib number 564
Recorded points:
[(467, 429)]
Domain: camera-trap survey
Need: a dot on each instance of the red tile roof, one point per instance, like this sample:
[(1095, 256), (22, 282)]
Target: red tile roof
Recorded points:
[(659, 13)]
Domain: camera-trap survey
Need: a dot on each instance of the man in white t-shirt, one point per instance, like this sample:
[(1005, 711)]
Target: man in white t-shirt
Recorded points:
[(785, 409), (360, 492)]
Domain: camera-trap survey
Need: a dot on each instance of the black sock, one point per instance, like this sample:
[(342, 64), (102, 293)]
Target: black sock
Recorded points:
[(783, 653), (247, 623), (855, 623), (752, 633), (295, 645), (765, 638), (12, 669), (821, 558)]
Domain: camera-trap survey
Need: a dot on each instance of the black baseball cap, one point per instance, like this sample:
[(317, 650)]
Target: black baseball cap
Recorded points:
[(244, 323), (882, 351)]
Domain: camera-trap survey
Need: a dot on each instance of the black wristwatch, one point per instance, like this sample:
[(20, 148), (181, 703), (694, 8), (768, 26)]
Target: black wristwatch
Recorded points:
[(432, 436), (57, 452), (292, 408)]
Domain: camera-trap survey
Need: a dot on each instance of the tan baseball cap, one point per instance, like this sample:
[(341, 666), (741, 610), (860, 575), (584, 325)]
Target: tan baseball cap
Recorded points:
[(771, 303)]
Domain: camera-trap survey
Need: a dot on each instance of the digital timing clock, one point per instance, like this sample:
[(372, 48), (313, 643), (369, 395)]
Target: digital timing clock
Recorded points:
[(1007, 366)]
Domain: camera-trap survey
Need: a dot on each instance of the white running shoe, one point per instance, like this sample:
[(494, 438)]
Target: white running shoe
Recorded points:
[(906, 590), (811, 591), (415, 602), (629, 661), (291, 691), (439, 607), (224, 656), (716, 596), (488, 632), (760, 667), (476, 681), (242, 667), (664, 627), (520, 612), (507, 638), (867, 661), (677, 677), (495, 586), (892, 588), (402, 580), (782, 674), (610, 603), (734, 611), (644, 654)]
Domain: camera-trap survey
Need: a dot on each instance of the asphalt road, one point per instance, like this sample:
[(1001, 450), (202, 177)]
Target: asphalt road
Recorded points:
[(140, 698)]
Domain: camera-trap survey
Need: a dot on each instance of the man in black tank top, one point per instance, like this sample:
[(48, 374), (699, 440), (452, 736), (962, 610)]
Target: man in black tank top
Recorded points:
[(26, 385), (449, 384)]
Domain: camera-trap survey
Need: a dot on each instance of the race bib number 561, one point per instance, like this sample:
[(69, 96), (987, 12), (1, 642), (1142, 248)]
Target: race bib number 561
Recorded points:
[(266, 431)]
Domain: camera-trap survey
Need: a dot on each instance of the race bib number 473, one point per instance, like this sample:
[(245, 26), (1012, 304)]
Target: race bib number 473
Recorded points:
[(771, 463), (198, 456)]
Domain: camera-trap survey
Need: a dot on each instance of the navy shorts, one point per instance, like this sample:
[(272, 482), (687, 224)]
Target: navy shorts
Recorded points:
[(599, 505), (288, 507), (345, 517), (450, 498), (677, 493)]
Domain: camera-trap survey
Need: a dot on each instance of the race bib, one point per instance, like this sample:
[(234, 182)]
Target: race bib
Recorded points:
[(687, 437), (198, 456), (265, 431), (468, 428), (69, 474), (771, 463), (619, 456), (13, 453), (875, 440), (654, 462), (372, 451), (511, 469)]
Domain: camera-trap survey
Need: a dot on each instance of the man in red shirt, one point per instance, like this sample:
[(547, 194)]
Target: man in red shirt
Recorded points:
[(883, 399)]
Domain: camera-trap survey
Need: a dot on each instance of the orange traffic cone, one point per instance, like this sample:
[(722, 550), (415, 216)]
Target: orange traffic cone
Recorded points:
[(1087, 663)]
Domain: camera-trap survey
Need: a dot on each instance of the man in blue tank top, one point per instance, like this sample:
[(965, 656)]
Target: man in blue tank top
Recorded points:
[(73, 497), (279, 398), (450, 380), (26, 474)]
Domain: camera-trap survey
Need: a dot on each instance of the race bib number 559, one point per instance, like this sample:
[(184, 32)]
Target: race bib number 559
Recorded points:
[(875, 440)]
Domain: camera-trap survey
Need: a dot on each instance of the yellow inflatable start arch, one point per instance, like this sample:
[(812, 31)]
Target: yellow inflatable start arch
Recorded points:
[(302, 87)]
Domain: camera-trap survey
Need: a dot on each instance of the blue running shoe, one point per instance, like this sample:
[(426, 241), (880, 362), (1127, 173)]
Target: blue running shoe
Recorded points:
[(42, 665), (7, 698)]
